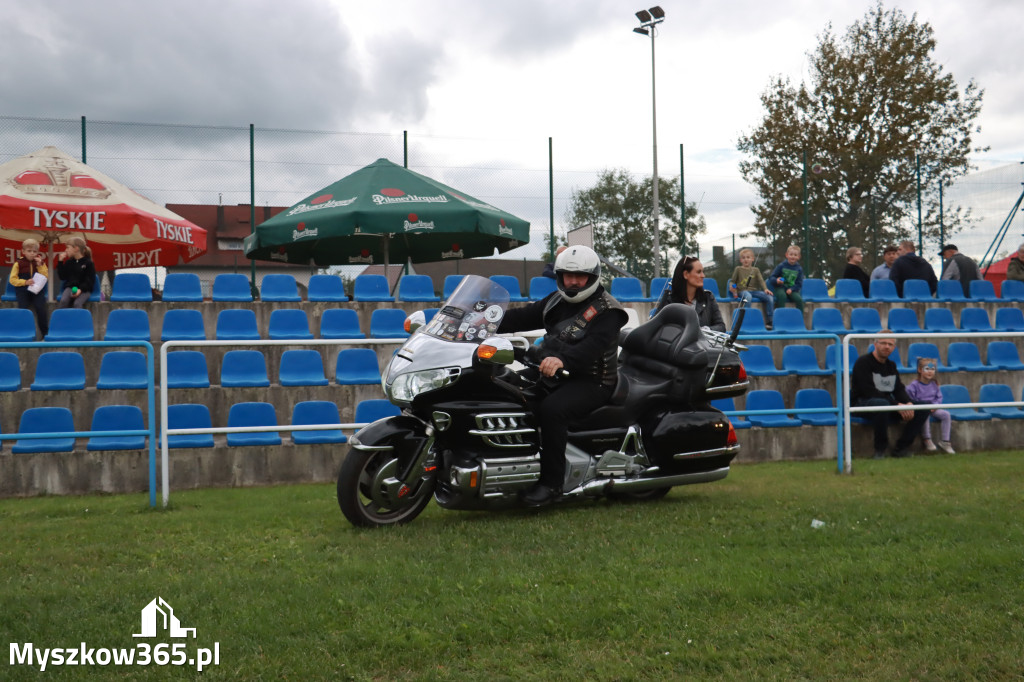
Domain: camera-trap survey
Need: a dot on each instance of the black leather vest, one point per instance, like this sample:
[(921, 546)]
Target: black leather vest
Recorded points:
[(573, 328)]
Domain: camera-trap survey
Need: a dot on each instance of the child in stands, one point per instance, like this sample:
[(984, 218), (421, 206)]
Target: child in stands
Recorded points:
[(25, 268), (747, 284), (925, 390), (78, 273), (788, 280)]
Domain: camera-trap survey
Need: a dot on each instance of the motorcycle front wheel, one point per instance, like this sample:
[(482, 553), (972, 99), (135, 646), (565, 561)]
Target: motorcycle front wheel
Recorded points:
[(370, 495)]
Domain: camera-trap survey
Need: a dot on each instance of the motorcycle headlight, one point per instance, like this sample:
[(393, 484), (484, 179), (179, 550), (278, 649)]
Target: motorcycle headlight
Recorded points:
[(407, 386)]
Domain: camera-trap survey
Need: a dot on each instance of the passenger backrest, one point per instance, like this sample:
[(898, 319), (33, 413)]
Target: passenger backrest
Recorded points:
[(667, 347)]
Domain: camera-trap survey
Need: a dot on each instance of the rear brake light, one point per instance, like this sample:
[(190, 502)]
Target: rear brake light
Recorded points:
[(731, 440), (743, 373)]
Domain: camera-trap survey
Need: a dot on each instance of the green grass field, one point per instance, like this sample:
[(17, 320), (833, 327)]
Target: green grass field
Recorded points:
[(918, 573)]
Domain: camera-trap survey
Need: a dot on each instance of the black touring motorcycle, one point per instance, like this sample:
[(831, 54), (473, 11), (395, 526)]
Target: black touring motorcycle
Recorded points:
[(467, 436)]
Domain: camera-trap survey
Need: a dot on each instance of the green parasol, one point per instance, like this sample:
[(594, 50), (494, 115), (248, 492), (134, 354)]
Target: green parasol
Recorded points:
[(385, 213)]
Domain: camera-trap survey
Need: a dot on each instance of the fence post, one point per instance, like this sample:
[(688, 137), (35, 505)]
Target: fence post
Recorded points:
[(551, 202), (252, 200), (83, 140)]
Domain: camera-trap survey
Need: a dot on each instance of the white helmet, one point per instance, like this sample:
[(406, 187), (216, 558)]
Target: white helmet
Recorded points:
[(579, 259)]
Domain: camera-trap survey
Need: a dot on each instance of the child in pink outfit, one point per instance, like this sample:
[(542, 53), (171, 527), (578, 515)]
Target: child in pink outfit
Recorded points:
[(926, 390)]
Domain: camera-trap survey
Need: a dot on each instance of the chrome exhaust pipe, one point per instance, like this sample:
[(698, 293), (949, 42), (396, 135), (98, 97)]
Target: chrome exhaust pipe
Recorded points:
[(599, 487)]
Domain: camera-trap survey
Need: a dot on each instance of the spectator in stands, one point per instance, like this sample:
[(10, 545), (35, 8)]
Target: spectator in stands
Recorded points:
[(687, 287), (1015, 267), (788, 280), (874, 382), (25, 268), (911, 266), (923, 390), (957, 266), (77, 272), (854, 257), (888, 257), (747, 284), (549, 268)]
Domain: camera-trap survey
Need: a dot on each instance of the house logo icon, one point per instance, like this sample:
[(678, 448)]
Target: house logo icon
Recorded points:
[(158, 615)]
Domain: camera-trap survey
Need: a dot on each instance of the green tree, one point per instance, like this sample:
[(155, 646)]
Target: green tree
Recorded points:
[(876, 107), (619, 209)]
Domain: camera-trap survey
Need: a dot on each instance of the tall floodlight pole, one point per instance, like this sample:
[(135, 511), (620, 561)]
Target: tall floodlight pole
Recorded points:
[(649, 19)]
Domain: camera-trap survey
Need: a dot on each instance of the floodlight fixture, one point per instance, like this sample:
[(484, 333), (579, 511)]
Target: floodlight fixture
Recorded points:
[(643, 15), (658, 12), (641, 30)]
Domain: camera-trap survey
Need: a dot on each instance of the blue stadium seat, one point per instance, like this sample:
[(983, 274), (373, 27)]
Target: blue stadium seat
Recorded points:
[(814, 398), (122, 369), (244, 368), (923, 349), (789, 321), (727, 405), (340, 323), (954, 393), (768, 400), (189, 416), (326, 289), (131, 286), (388, 323), (882, 290), (758, 361), (753, 321), (289, 323), (657, 286), (127, 324), (541, 287), (1003, 355), (280, 288), (802, 360), (950, 290), (450, 282), (631, 289), (939, 320), (368, 411), (311, 412), (185, 324), (9, 295), (370, 287), (964, 356), (1011, 290), (357, 366), (182, 287), (59, 371), (187, 369), (849, 290), (1010, 319), (417, 288), (511, 285), (712, 286), (865, 321), (302, 367), (902, 320), (982, 290), (117, 418), (232, 287), (10, 372), (999, 393), (253, 414), (45, 420), (236, 324), (71, 324), (975, 320), (827, 321), (17, 325), (833, 357), (815, 290), (916, 290)]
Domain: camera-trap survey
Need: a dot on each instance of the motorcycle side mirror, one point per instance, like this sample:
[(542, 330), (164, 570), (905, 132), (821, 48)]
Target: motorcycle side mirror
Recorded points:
[(415, 321), (496, 351)]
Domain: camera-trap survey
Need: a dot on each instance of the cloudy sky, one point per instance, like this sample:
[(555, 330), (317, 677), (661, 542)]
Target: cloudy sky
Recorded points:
[(478, 84)]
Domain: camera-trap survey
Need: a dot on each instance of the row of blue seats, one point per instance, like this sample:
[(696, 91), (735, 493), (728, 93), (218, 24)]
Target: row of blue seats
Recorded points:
[(818, 398), (65, 370), (869, 321), (69, 325), (191, 416), (914, 290), (961, 356)]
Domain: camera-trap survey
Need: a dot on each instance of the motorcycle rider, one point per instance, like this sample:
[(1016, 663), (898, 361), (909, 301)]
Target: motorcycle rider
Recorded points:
[(582, 323)]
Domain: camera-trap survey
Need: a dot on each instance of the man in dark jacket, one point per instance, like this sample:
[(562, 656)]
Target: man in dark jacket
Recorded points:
[(582, 323), (911, 266), (874, 382), (957, 266)]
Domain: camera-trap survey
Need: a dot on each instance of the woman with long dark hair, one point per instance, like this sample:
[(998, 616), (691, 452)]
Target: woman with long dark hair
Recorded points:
[(687, 287)]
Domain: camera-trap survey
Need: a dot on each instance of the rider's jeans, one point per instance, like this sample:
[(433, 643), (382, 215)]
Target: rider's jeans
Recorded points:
[(569, 401)]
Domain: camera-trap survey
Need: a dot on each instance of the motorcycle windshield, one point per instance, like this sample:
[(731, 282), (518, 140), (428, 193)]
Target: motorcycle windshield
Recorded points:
[(472, 313)]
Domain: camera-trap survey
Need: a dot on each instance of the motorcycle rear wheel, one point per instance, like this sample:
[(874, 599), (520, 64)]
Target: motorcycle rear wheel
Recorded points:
[(364, 493), (642, 496)]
